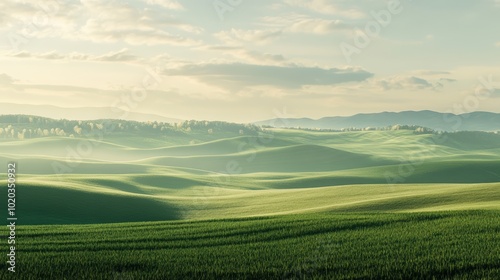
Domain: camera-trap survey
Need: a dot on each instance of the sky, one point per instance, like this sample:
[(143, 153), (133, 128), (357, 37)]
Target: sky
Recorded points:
[(244, 61)]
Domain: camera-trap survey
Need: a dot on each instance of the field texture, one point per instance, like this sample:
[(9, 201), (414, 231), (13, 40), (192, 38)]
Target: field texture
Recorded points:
[(277, 204), (452, 245), (84, 180)]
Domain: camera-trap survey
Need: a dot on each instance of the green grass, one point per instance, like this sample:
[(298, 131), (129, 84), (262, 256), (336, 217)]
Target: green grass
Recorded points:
[(116, 198), (442, 245), (295, 205), (290, 171)]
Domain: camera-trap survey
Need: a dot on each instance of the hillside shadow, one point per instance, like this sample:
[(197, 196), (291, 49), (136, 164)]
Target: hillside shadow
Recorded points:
[(47, 205)]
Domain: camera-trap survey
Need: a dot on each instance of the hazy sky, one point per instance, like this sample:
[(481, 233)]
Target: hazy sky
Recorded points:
[(248, 60)]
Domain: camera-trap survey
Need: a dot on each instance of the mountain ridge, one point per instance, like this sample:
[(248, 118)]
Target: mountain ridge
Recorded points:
[(473, 121), (79, 113)]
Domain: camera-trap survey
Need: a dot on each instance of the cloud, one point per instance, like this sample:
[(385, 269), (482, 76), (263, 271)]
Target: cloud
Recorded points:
[(218, 48), (402, 83), (448, 80), (111, 22), (100, 21), (239, 36), (405, 83), (236, 75), (326, 7), (317, 26), (122, 55), (6, 79), (495, 93), (430, 72), (249, 56), (260, 58), (279, 26), (143, 38), (51, 56), (39, 18), (14, 12), (497, 44), (22, 54), (297, 23), (167, 4)]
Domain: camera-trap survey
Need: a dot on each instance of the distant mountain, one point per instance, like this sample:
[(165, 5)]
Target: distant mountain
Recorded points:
[(475, 121), (79, 113)]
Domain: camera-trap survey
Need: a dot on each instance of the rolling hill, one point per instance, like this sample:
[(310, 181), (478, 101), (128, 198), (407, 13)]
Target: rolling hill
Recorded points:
[(141, 200), (276, 172)]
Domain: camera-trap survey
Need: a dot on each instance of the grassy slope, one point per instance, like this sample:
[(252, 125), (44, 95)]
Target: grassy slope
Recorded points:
[(141, 197), (329, 179), (288, 171), (453, 245)]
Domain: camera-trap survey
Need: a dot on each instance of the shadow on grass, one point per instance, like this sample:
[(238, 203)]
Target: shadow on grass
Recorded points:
[(234, 234), (46, 205)]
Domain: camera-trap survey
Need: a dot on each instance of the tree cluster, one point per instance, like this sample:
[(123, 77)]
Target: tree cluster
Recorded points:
[(25, 127)]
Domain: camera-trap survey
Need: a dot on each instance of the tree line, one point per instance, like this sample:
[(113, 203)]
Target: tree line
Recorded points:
[(26, 127)]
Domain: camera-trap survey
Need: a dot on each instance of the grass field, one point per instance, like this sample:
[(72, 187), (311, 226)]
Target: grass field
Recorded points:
[(446, 245), (288, 204)]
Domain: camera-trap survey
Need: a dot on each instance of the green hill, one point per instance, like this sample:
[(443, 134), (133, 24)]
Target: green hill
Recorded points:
[(280, 171), (127, 198)]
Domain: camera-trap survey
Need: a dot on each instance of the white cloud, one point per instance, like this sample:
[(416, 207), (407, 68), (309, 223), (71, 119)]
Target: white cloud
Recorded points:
[(496, 93), (6, 79), (168, 4), (399, 82), (39, 18), (236, 76), (13, 12), (98, 21), (431, 73), (405, 83), (296, 23), (218, 48), (449, 80), (326, 7), (317, 26), (238, 36), (22, 54), (279, 26), (249, 56), (122, 55), (110, 22), (51, 56), (260, 58)]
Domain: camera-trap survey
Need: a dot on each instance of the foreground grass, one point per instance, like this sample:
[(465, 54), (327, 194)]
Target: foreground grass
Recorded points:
[(439, 245)]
